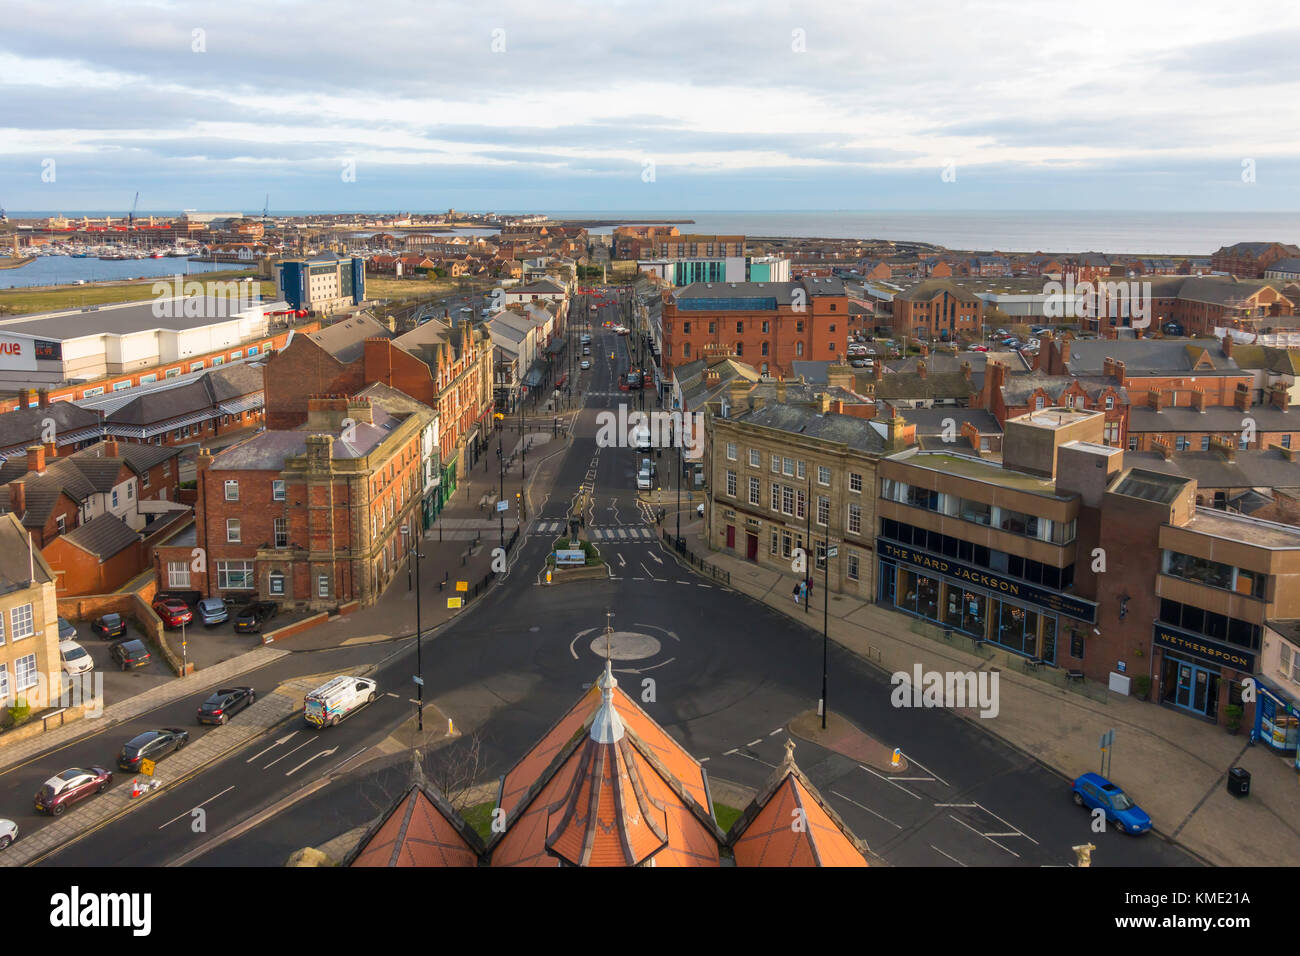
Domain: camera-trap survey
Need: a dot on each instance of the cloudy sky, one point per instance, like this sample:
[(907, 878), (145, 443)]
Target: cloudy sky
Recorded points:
[(613, 105)]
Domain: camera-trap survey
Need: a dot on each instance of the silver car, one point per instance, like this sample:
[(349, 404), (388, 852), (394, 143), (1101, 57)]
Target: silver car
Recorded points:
[(213, 611)]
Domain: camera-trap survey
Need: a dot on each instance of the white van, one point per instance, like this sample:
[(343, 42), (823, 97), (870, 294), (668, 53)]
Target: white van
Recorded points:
[(646, 476), (643, 439), (337, 698)]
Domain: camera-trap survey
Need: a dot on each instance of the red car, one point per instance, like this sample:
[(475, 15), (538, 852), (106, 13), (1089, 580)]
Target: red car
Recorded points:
[(71, 786), (173, 612)]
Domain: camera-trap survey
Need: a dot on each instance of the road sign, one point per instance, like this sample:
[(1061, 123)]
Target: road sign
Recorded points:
[(453, 603), (1107, 740), (503, 506), (462, 585), (833, 551), (418, 679), (146, 767)]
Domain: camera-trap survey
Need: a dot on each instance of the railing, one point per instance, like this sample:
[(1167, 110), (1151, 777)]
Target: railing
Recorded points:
[(704, 567)]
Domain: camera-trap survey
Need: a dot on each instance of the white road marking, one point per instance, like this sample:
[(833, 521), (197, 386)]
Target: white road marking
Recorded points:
[(755, 759), (911, 759), (272, 747), (867, 808), (648, 572), (282, 756), (953, 858), (890, 781), (323, 753), (984, 835), (753, 743), (192, 809), (655, 558), (390, 694), (777, 731), (704, 760), (730, 752)]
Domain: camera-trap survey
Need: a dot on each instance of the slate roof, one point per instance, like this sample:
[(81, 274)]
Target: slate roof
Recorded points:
[(933, 288), (24, 426), (268, 450), (1217, 418), (848, 430), (1251, 469), (1017, 389), (1278, 360), (933, 421), (17, 564), (103, 536), (910, 386), (1289, 266), (42, 491), (346, 340), (1088, 356)]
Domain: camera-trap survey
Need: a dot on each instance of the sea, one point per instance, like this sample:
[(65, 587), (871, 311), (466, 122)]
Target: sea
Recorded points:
[(1050, 231), (66, 270)]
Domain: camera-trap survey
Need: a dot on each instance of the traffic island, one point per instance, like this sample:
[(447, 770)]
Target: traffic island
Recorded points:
[(843, 737), (575, 560)]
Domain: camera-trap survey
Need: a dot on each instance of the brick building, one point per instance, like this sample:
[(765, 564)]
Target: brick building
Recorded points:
[(1250, 260), (937, 311), (767, 325), (28, 616), (311, 515)]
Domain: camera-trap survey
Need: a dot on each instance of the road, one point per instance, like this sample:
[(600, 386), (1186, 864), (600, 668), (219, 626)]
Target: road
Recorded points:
[(722, 673)]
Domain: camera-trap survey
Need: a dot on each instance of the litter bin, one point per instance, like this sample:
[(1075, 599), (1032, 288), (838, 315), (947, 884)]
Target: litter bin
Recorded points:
[(1239, 782)]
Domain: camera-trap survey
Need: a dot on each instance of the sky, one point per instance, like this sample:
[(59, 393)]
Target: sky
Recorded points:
[(614, 105)]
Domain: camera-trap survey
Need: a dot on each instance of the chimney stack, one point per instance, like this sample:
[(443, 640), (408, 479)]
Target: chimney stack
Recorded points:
[(1162, 445), (1227, 344), (36, 459), (1108, 367), (43, 397), (1198, 400), (1277, 396), (1065, 357), (51, 450), (110, 447), (1241, 399), (965, 370)]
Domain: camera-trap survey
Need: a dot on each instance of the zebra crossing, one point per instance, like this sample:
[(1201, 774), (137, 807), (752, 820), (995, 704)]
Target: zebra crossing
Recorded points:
[(601, 532)]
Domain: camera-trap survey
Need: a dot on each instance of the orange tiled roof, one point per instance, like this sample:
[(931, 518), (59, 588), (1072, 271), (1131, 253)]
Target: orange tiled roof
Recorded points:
[(788, 824), (419, 831)]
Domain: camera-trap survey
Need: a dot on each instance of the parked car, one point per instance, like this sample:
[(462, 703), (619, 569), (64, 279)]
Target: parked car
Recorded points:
[(213, 611), (8, 833), (129, 654), (584, 365), (645, 477), (1094, 791), (75, 658), (977, 348), (151, 745), (108, 626), (72, 786), (218, 708), (67, 630), (250, 618), (173, 612)]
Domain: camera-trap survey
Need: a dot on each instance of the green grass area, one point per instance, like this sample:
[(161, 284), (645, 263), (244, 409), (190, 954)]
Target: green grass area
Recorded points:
[(479, 817), (725, 815), (28, 301), (410, 290)]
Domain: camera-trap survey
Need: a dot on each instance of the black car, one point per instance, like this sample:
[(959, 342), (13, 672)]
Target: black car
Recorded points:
[(109, 626), (250, 619), (129, 654), (224, 702), (151, 745)]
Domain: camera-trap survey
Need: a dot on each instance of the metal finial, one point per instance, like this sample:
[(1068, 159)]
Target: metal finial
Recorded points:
[(789, 750)]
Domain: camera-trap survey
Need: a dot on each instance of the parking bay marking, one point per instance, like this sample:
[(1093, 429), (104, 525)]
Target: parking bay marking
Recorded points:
[(868, 809), (192, 809)]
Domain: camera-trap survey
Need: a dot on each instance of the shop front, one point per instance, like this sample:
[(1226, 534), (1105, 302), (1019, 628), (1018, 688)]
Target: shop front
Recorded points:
[(447, 482), (1192, 670), (1020, 617), (1277, 719)]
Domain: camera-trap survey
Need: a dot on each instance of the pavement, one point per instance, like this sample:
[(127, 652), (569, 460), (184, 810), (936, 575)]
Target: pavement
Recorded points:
[(1175, 767)]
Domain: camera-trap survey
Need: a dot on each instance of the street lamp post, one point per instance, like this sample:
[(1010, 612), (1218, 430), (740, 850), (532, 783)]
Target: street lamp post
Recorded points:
[(419, 660), (523, 447), (807, 510), (826, 604), (679, 492), (501, 461)]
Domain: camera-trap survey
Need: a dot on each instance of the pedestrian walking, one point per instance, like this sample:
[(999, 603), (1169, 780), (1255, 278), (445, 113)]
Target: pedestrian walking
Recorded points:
[(810, 587), (796, 594)]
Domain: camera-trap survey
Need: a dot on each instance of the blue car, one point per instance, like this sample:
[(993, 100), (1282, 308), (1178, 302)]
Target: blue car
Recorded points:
[(1093, 790)]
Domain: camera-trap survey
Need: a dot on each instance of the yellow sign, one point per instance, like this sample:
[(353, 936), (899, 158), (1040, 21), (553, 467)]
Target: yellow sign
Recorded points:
[(462, 585), (455, 602), (146, 767)]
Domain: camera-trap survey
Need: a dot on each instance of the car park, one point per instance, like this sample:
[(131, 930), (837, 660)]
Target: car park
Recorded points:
[(174, 612), (151, 745), (75, 658), (71, 786), (213, 611), (224, 703), (1095, 792), (130, 654), (108, 626), (250, 618)]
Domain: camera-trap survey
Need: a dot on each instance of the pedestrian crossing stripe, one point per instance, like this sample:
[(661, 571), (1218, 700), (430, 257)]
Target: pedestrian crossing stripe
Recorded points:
[(607, 533)]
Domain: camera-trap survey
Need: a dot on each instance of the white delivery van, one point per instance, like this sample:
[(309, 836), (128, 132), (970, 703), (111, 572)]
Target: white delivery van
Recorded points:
[(337, 698), (643, 439)]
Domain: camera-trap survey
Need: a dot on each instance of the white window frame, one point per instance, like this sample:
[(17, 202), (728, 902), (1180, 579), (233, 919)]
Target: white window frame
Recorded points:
[(755, 458), (323, 585), (178, 575), (245, 570), (17, 620), (279, 488), (233, 531), (731, 483), (755, 491), (228, 487), (854, 519), (26, 663), (823, 481), (5, 692), (277, 533), (731, 451), (272, 578), (855, 482), (776, 464)]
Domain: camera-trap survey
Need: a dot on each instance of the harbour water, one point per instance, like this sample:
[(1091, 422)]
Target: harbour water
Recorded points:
[(66, 270)]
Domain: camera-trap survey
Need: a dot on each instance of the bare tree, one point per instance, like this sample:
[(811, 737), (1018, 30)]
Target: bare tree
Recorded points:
[(456, 770)]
